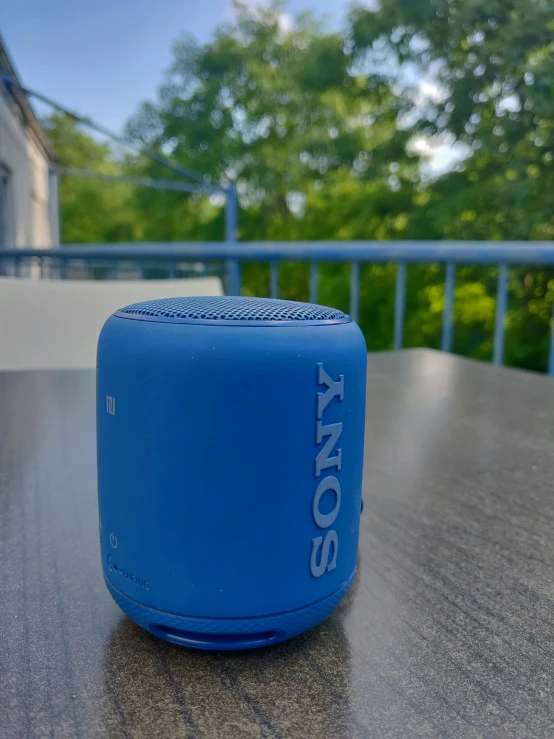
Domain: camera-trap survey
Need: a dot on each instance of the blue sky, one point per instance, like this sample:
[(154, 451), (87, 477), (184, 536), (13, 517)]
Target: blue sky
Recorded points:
[(101, 58)]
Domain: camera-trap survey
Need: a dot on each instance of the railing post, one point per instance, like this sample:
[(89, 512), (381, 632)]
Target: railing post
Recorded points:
[(54, 206), (551, 351), (399, 305), (231, 218), (274, 279), (450, 278), (313, 282), (498, 347), (354, 290)]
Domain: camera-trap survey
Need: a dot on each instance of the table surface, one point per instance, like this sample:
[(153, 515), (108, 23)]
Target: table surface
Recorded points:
[(448, 629)]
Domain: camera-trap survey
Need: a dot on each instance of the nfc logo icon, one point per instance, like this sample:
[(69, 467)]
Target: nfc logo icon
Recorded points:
[(110, 405)]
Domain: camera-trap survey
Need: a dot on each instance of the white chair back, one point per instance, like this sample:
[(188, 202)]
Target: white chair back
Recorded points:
[(54, 324)]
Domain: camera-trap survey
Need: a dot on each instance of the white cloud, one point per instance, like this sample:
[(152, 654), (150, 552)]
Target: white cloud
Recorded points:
[(441, 153), (428, 91), (285, 20)]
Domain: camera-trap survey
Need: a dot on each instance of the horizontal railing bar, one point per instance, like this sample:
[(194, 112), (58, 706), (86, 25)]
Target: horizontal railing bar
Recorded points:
[(177, 185), (468, 252)]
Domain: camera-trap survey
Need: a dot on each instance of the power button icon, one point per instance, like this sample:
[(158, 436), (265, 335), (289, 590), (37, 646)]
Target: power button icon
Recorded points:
[(113, 540)]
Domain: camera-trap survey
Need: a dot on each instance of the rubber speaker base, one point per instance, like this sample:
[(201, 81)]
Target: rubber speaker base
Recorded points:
[(228, 634)]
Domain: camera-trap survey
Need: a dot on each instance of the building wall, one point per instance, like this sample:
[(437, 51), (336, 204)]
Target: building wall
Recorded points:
[(26, 211)]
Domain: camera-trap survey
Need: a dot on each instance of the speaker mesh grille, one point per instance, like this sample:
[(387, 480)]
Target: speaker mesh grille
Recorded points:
[(233, 309)]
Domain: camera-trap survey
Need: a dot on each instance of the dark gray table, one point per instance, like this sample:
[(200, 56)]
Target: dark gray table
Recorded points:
[(448, 629)]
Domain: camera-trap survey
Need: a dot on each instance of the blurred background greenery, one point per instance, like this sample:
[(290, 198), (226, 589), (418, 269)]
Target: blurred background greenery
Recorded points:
[(334, 135)]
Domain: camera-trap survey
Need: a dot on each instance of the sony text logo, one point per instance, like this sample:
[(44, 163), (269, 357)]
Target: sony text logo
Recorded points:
[(327, 463)]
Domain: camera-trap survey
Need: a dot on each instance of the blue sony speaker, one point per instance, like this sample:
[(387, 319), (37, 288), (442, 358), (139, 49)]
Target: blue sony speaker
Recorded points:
[(230, 449)]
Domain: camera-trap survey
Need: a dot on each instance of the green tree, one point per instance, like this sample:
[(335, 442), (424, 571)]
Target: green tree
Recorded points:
[(91, 210), (318, 131), (492, 64), (309, 140), (283, 115)]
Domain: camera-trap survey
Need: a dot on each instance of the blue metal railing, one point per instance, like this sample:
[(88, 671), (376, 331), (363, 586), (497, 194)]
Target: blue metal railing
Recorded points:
[(177, 259)]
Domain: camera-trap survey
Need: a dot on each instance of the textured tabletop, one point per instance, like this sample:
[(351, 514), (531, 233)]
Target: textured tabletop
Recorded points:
[(447, 631)]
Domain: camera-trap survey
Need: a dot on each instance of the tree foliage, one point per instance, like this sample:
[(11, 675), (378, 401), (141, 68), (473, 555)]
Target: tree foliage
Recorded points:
[(90, 211), (324, 133), (492, 62)]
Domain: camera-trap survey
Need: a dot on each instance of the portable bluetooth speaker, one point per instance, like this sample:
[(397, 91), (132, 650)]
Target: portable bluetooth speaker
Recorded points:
[(230, 449)]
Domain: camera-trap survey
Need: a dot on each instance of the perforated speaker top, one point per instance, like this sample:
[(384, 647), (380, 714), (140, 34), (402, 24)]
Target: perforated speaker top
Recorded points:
[(225, 309)]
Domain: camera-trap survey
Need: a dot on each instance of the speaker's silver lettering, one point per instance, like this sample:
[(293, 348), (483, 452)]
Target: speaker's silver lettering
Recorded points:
[(324, 520), (324, 543), (325, 548), (334, 388), (324, 460)]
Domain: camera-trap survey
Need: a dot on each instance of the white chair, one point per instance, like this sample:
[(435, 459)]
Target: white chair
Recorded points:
[(54, 324)]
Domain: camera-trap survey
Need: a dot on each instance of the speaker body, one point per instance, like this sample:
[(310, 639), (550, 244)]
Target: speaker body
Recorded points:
[(230, 449)]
